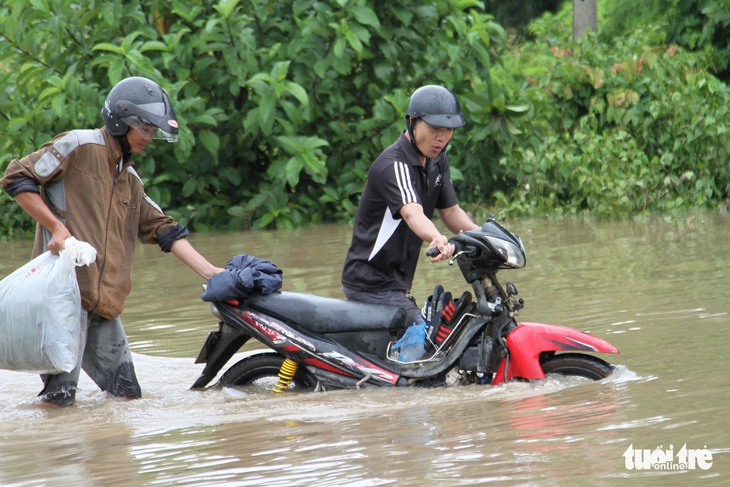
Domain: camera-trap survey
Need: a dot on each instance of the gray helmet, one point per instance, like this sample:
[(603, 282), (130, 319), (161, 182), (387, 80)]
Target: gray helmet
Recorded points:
[(436, 106), (140, 101)]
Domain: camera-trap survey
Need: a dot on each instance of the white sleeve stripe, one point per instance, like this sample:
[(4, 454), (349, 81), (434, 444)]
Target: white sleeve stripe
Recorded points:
[(405, 185)]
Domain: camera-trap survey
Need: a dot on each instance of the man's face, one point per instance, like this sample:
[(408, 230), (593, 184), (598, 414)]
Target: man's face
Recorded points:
[(431, 140), (139, 136)]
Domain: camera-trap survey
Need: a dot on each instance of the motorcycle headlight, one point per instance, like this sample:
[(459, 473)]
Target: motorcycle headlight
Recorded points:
[(513, 252)]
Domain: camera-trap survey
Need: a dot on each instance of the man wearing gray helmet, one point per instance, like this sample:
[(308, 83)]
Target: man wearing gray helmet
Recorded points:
[(83, 184), (405, 184)]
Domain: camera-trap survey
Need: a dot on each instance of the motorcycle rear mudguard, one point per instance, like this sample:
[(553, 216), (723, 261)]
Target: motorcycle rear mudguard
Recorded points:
[(529, 340), (218, 348)]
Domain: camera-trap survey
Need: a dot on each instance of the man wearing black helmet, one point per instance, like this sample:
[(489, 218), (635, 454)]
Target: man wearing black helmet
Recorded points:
[(406, 183), (83, 184)]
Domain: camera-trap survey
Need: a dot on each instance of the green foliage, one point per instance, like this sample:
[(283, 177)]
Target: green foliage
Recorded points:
[(13, 220), (633, 129), (284, 105), (276, 100), (702, 26)]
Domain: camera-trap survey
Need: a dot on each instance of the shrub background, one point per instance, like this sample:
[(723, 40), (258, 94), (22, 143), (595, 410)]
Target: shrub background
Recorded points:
[(284, 105)]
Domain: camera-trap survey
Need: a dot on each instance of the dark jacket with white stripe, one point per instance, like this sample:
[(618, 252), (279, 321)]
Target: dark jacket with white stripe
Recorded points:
[(384, 252)]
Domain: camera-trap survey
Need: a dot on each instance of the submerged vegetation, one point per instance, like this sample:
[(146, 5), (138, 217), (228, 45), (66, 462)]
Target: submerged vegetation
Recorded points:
[(284, 105)]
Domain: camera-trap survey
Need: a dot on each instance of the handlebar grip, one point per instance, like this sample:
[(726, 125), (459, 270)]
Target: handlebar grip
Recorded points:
[(433, 252)]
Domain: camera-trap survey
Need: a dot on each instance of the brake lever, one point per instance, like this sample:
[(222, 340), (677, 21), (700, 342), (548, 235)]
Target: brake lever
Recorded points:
[(456, 256)]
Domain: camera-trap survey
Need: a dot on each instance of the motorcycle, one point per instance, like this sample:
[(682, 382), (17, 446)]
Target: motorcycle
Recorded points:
[(318, 343)]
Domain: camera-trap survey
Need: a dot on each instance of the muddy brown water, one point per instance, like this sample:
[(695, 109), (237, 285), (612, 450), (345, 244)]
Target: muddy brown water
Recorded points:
[(658, 290)]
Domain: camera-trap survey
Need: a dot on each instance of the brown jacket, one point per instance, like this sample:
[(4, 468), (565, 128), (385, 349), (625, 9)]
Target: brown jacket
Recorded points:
[(79, 179)]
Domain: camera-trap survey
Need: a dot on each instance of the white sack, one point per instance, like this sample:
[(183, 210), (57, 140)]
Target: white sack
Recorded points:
[(40, 307)]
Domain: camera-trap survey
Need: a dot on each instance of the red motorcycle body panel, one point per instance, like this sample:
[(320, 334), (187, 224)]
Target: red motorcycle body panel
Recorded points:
[(529, 340)]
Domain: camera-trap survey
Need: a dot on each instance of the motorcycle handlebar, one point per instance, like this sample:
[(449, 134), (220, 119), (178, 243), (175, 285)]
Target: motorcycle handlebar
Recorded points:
[(433, 252), (469, 250)]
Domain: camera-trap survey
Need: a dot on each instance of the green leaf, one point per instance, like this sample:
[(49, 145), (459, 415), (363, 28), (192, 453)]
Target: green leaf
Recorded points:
[(189, 187), (517, 108), (365, 16), (58, 105), (51, 90), (267, 113), (210, 141), (321, 66), (280, 71), (106, 46), (298, 92), (226, 7), (293, 168), (153, 46), (205, 119), (339, 48)]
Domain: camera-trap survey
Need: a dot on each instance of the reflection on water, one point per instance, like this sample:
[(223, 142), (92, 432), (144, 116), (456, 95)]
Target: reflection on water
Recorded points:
[(657, 290)]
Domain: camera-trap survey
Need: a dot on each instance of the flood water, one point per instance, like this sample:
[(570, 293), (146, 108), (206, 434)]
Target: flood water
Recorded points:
[(658, 290)]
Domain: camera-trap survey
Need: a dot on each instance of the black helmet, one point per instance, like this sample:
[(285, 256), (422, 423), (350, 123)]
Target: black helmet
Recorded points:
[(140, 101), (436, 106)]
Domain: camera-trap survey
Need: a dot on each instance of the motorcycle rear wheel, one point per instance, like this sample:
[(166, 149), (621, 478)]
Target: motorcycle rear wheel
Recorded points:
[(262, 372), (576, 364)]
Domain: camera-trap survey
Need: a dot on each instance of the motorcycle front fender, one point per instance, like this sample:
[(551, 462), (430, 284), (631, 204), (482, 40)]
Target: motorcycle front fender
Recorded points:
[(526, 342)]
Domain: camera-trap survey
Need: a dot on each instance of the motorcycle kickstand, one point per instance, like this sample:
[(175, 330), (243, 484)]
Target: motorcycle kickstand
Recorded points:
[(363, 380)]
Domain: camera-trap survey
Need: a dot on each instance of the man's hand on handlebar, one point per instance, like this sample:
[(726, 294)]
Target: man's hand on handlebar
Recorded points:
[(440, 249)]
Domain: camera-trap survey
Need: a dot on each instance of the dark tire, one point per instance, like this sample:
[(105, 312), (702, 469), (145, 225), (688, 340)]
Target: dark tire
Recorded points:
[(577, 364), (262, 372)]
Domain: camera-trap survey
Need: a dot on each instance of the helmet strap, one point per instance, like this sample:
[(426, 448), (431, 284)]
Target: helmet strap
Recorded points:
[(410, 124)]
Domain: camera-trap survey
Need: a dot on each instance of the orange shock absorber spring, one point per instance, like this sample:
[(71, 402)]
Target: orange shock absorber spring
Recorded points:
[(286, 374)]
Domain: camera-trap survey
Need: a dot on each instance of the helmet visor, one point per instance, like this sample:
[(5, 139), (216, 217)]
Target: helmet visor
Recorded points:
[(148, 130)]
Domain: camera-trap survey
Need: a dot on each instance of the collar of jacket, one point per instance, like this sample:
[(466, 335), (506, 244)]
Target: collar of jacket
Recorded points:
[(115, 151)]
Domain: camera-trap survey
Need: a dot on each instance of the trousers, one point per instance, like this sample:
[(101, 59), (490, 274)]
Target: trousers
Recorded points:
[(105, 357)]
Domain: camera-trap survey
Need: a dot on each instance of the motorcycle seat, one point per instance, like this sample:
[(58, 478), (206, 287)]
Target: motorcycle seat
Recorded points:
[(329, 315)]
